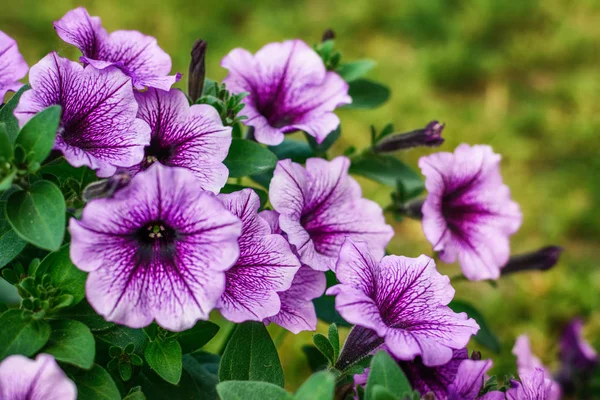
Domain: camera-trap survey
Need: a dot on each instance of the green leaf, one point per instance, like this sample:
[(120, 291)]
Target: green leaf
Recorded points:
[(484, 336), (322, 343), (121, 336), (248, 158), (6, 181), (251, 355), (84, 313), (63, 274), (7, 116), (295, 150), (135, 394), (379, 392), (241, 390), (71, 342), (316, 359), (38, 215), (196, 337), (38, 134), (334, 339), (387, 170), (21, 334), (262, 195), (164, 357), (95, 384), (353, 70), (386, 372), (203, 369), (325, 305), (6, 148), (321, 148), (367, 94), (11, 245), (319, 386)]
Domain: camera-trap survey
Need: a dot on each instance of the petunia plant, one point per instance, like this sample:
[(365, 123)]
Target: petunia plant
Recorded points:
[(159, 243)]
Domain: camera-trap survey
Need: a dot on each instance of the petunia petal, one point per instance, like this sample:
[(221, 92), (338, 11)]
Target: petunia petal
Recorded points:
[(12, 65)]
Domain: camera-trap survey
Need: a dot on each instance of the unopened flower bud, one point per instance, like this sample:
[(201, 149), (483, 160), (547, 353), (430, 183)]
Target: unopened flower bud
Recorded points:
[(328, 35), (542, 260), (197, 71), (106, 187), (430, 136)]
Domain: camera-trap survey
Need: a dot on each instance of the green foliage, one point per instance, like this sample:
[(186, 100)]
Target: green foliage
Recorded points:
[(386, 373), (325, 347), (247, 158), (71, 342), (227, 104), (63, 274), (484, 336), (22, 333), (367, 94), (95, 384), (37, 135), (196, 337), (387, 170), (165, 357), (7, 117), (325, 305), (354, 70), (242, 390), (319, 386)]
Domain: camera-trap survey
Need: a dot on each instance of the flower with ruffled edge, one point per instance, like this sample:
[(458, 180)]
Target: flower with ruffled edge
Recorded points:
[(22, 378), (534, 385), (136, 54), (157, 250), (320, 206), (528, 365), (289, 90), (468, 213), (12, 65), (399, 301), (266, 264), (297, 311), (183, 136), (98, 127)]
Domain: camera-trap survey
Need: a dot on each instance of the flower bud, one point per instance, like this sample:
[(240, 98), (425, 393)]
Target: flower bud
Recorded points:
[(542, 259), (430, 136), (328, 35), (197, 71)]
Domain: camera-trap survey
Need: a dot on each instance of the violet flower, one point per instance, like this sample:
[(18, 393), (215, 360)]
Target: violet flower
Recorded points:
[(468, 214), (320, 206), (578, 358), (191, 137), (528, 365), (42, 378), (289, 90), (399, 301), (534, 385), (98, 126), (137, 55), (157, 250), (266, 264), (297, 311), (12, 65)]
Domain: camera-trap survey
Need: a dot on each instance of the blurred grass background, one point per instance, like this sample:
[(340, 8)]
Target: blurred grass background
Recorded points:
[(522, 76)]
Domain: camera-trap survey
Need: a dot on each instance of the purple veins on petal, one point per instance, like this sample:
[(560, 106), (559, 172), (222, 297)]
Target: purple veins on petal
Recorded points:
[(12, 65), (468, 214), (528, 365), (157, 250), (42, 378), (191, 137), (136, 54), (289, 90), (98, 126), (266, 264), (404, 301), (320, 206), (534, 385)]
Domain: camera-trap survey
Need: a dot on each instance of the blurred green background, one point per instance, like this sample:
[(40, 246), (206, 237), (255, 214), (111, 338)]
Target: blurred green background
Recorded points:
[(522, 76)]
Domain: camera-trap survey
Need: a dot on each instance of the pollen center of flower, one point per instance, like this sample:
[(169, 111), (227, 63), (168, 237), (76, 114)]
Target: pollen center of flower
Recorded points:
[(156, 232), (157, 151)]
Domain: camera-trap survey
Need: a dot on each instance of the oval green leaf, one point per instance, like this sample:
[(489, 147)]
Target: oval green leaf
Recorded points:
[(319, 386), (7, 116), (63, 274), (387, 170), (71, 342), (240, 390), (21, 334), (357, 69), (164, 357), (195, 338), (38, 134), (367, 94), (247, 158), (95, 384), (386, 373)]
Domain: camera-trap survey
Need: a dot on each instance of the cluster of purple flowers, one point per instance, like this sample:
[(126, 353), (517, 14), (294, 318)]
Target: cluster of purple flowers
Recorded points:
[(169, 248)]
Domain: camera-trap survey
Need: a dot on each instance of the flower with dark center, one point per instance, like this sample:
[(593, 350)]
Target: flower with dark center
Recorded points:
[(289, 90), (12, 65), (468, 213), (42, 378), (98, 126), (137, 55), (157, 250)]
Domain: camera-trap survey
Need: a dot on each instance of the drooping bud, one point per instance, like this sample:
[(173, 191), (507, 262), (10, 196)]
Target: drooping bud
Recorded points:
[(476, 355), (329, 34), (106, 187), (413, 209), (542, 260), (197, 71), (430, 136), (360, 343)]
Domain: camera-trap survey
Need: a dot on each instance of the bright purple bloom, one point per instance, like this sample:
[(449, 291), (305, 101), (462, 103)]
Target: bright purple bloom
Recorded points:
[(575, 351), (404, 301), (98, 127), (24, 379), (183, 136), (266, 264), (157, 250), (528, 365), (534, 385), (320, 206), (12, 65), (137, 55), (289, 90), (468, 213)]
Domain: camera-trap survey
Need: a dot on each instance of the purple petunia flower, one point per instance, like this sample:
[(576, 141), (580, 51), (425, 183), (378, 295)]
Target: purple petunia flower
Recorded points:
[(528, 364), (289, 90), (98, 127), (403, 302), (534, 385), (137, 55), (575, 351), (266, 264), (320, 206), (297, 309), (183, 136), (12, 65), (157, 250), (22, 378), (468, 213)]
